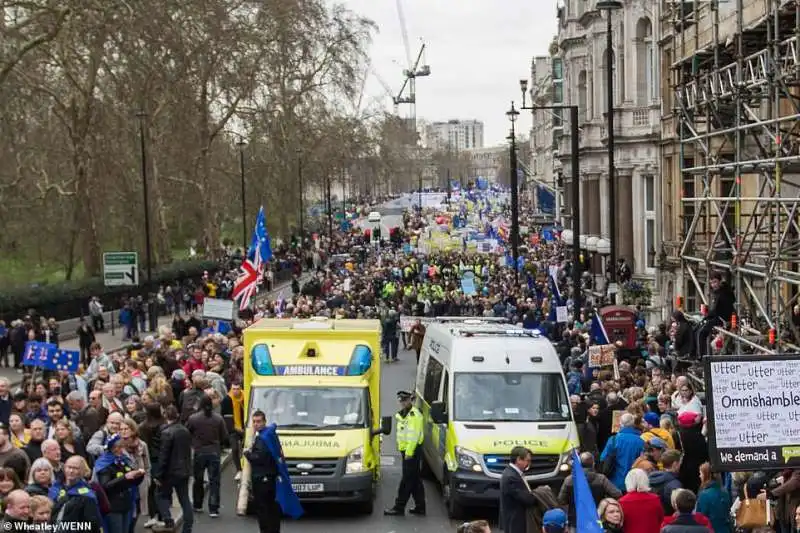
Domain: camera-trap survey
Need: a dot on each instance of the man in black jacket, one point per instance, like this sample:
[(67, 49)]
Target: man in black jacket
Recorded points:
[(515, 494), (723, 303), (174, 469), (599, 484), (263, 474)]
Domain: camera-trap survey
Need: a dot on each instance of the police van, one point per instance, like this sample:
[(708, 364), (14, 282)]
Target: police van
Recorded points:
[(484, 388)]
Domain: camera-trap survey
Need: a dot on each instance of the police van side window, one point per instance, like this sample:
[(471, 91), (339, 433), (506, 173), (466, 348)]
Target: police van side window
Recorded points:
[(433, 381)]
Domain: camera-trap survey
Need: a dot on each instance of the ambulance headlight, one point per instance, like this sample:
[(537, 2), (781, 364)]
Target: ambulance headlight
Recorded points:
[(261, 360), (360, 361), (355, 461), (467, 459)]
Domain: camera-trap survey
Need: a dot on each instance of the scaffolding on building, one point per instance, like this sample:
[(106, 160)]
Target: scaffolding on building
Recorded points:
[(735, 78)]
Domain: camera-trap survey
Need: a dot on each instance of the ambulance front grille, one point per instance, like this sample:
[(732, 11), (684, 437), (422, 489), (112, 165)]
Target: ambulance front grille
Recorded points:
[(318, 467)]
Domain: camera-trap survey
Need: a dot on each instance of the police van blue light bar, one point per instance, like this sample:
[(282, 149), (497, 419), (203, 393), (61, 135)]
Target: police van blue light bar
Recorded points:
[(360, 361), (261, 360)]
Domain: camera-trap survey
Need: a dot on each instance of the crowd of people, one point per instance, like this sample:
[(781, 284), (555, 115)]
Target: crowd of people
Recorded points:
[(113, 442)]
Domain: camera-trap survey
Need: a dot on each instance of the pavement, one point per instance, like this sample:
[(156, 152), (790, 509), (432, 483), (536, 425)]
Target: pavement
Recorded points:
[(341, 518)]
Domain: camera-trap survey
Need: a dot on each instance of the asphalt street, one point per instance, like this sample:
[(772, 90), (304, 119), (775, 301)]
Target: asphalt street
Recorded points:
[(340, 519)]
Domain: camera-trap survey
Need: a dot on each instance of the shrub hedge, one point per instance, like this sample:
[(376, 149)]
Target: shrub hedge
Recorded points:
[(69, 299)]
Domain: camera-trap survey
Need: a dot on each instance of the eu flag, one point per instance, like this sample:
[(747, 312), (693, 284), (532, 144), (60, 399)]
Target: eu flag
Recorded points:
[(260, 243), (585, 508), (65, 360), (39, 354)]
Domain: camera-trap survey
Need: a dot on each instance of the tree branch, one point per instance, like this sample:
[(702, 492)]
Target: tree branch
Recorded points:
[(33, 43)]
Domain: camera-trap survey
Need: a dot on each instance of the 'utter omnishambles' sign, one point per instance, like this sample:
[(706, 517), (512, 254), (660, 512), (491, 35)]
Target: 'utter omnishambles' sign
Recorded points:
[(753, 408)]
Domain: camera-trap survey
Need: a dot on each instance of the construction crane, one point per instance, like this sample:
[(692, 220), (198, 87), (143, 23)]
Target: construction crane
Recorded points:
[(386, 88), (414, 70)]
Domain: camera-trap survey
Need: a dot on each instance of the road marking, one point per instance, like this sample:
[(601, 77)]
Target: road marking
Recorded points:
[(387, 460)]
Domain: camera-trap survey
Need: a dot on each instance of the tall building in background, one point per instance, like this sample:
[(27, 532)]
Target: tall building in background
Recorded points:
[(546, 89), (454, 134)]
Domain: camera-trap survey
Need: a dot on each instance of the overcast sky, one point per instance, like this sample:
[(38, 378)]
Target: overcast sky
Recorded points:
[(478, 50)]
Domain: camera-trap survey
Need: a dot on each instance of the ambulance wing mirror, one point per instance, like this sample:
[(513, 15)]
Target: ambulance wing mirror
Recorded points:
[(386, 426), (438, 413)]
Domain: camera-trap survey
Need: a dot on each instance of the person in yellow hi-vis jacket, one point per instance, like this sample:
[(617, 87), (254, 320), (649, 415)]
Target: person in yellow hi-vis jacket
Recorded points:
[(408, 421)]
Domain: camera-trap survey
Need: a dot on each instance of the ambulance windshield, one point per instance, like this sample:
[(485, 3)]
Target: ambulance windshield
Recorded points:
[(510, 397), (312, 407)]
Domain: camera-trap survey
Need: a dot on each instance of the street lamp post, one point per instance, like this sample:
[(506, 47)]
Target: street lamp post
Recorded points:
[(241, 144), (575, 163), (610, 6), (302, 195), (147, 244), (512, 116)]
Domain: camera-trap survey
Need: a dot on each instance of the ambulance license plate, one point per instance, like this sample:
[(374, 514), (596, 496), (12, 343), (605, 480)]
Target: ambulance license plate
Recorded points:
[(308, 487)]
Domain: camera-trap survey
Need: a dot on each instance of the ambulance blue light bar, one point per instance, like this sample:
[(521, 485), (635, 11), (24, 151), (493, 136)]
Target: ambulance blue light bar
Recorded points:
[(261, 360), (360, 361)]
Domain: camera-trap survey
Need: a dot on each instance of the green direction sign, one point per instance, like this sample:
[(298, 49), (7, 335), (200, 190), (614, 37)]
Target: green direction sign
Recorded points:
[(120, 269)]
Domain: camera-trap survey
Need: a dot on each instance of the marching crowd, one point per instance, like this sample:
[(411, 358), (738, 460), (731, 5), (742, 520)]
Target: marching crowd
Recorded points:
[(112, 443)]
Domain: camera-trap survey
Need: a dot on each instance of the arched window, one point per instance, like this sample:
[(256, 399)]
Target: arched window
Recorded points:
[(646, 63)]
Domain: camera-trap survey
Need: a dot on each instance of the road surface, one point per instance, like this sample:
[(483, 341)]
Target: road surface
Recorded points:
[(333, 519)]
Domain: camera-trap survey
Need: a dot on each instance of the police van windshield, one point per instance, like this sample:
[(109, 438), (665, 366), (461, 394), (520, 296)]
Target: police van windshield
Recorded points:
[(510, 397), (312, 407)]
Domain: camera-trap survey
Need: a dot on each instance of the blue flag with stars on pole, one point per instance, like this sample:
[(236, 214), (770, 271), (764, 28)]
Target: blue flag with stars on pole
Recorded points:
[(586, 515), (65, 360), (260, 242)]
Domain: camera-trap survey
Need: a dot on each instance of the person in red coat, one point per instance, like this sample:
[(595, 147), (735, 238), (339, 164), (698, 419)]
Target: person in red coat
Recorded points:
[(642, 509)]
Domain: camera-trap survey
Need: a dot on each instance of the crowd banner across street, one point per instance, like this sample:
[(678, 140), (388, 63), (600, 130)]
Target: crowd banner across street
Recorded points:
[(753, 405)]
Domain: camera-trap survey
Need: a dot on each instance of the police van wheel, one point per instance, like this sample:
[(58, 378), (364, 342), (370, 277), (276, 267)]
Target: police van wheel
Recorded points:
[(454, 509)]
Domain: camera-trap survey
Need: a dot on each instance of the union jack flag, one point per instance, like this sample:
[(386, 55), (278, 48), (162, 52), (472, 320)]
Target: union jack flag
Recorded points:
[(246, 284), (260, 252)]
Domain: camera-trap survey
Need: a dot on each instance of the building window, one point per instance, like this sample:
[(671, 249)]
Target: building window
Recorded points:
[(558, 69), (646, 63), (688, 208), (692, 299), (649, 193), (650, 241), (558, 92), (558, 117), (650, 244)]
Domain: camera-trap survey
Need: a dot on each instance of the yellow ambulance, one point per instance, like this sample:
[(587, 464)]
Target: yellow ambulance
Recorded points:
[(319, 381)]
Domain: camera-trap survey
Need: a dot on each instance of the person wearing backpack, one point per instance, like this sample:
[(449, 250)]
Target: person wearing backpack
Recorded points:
[(621, 451)]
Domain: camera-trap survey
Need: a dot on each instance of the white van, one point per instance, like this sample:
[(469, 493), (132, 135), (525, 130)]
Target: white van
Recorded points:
[(484, 388)]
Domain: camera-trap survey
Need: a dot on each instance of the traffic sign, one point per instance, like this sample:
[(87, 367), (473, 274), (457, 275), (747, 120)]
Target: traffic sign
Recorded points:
[(120, 268)]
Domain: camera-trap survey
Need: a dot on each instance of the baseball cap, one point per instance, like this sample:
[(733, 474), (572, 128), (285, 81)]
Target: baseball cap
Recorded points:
[(555, 519), (655, 442), (652, 419)]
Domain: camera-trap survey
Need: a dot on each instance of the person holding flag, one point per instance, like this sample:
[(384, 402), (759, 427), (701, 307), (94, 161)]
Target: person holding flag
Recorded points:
[(269, 477), (599, 488)]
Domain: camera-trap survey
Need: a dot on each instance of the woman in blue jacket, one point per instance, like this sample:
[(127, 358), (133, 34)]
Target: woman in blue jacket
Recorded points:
[(624, 448), (713, 501)]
